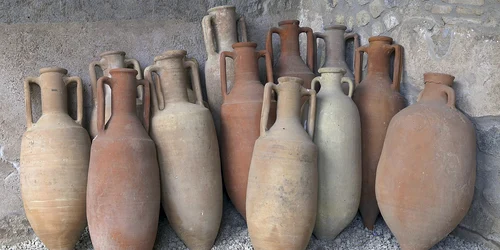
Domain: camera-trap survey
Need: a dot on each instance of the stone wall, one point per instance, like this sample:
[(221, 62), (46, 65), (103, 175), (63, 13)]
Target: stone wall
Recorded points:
[(459, 37)]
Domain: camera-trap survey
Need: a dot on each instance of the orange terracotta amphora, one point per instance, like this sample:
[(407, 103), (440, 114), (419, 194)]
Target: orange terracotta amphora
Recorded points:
[(240, 117), (378, 100), (55, 153), (123, 194), (427, 170)]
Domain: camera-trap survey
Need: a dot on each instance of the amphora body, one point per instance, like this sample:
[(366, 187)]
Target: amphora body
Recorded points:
[(55, 155), (427, 170), (378, 100)]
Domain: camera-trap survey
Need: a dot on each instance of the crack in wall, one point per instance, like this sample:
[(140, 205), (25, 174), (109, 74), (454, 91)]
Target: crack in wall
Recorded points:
[(14, 164)]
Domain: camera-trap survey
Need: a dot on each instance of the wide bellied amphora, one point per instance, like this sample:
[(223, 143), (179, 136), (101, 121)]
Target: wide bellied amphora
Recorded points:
[(338, 137), (335, 39), (427, 170), (220, 32), (123, 194), (240, 117), (282, 186), (290, 63), (110, 60), (188, 153), (378, 100), (55, 155)]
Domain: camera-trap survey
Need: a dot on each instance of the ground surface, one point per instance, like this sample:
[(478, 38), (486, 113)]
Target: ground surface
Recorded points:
[(234, 235)]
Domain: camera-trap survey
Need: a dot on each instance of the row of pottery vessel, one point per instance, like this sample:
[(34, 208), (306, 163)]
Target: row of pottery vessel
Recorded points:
[(288, 182)]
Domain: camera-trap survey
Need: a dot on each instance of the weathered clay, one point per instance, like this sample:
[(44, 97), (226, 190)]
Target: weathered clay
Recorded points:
[(282, 186), (55, 155), (427, 170), (123, 194), (290, 63), (338, 137), (378, 100), (240, 117), (110, 60), (335, 38), (188, 152), (220, 32)]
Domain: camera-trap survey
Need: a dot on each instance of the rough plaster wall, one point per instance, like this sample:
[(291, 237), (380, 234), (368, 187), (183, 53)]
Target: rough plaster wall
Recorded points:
[(460, 37)]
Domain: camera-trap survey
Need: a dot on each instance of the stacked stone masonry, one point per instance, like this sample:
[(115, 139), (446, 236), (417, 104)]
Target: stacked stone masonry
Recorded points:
[(458, 37)]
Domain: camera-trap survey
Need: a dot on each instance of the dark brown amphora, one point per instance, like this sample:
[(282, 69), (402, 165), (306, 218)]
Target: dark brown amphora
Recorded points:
[(378, 100), (335, 39), (290, 63), (123, 191), (240, 117), (427, 170)]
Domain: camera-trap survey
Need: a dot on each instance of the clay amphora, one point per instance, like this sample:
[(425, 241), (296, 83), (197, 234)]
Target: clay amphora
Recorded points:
[(338, 137), (55, 155), (240, 117), (188, 153), (335, 39), (427, 170), (282, 186), (220, 31), (123, 194), (378, 100), (290, 63), (110, 60)]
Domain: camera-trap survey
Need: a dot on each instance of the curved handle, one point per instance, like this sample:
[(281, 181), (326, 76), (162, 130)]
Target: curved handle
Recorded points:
[(146, 102), (269, 40), (135, 64), (27, 99), (310, 46), (208, 35), (356, 40), (192, 64), (358, 63), (266, 105), (348, 80), (243, 29), (450, 93), (158, 100), (269, 64), (317, 35), (93, 78), (398, 66), (223, 75), (311, 119), (101, 120), (79, 96), (316, 80)]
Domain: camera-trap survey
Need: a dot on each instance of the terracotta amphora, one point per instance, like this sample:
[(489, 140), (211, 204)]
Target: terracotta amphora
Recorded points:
[(282, 186), (427, 170), (378, 100), (290, 63), (335, 38), (188, 152), (240, 117), (220, 32), (338, 137), (110, 60), (123, 194), (55, 153)]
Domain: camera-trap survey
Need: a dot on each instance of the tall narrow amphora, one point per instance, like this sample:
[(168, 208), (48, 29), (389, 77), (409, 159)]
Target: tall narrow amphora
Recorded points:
[(427, 170), (240, 117), (220, 32), (335, 38), (123, 194), (188, 152), (338, 137), (378, 100), (110, 60), (282, 186), (55, 153), (290, 62)]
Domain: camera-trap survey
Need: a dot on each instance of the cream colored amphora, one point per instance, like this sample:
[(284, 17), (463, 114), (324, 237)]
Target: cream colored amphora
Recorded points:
[(55, 154)]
